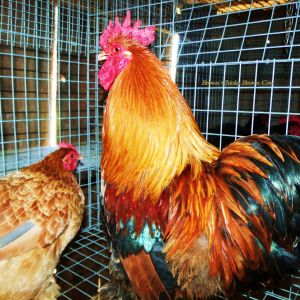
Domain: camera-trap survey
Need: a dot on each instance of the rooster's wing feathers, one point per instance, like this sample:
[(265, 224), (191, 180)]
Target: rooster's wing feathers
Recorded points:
[(262, 175), (274, 194), (31, 212), (240, 214)]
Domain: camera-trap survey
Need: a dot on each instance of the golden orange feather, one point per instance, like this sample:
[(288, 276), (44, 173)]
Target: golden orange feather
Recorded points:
[(161, 171), (166, 135)]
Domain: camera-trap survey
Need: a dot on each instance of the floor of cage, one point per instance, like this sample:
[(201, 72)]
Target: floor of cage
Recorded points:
[(87, 257), (81, 264)]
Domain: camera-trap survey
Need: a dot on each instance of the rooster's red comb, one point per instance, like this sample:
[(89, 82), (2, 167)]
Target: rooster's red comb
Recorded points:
[(143, 36), (63, 144)]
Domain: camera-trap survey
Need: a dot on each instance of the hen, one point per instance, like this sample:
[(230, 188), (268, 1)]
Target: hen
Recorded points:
[(41, 208), (185, 219)]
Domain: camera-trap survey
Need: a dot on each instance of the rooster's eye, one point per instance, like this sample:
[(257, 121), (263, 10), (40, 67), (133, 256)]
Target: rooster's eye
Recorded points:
[(117, 49)]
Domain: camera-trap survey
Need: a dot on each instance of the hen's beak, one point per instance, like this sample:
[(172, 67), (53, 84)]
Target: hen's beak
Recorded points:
[(80, 163), (102, 56)]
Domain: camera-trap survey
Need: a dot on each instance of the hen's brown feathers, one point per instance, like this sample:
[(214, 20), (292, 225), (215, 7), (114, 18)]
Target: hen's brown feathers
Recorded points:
[(41, 209), (40, 199)]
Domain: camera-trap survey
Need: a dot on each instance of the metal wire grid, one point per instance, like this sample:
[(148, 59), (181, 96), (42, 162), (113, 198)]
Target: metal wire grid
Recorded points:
[(81, 264), (26, 40), (212, 47), (16, 81), (253, 34), (239, 68)]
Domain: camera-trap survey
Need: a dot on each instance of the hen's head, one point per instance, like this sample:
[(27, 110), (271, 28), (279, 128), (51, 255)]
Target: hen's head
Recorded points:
[(69, 156), (116, 42)]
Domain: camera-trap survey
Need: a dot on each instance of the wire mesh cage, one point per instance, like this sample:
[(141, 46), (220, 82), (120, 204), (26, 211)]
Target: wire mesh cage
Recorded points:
[(236, 63), (49, 92)]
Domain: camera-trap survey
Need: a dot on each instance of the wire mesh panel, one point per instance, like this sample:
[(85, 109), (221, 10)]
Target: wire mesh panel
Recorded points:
[(238, 66), (236, 62), (49, 93)]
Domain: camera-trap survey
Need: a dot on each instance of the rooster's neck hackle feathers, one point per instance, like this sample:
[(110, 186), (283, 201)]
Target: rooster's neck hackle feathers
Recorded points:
[(150, 134)]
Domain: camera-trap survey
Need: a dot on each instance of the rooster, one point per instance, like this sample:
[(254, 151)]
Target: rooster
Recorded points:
[(41, 208), (186, 220)]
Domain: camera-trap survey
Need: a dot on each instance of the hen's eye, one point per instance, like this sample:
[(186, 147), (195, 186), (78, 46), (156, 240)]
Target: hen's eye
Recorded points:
[(117, 49), (72, 155)]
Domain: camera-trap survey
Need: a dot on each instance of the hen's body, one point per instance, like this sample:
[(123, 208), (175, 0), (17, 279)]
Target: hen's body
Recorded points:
[(187, 220), (41, 209)]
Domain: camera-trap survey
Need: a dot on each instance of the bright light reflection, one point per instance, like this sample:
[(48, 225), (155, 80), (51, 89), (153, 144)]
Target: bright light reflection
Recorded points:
[(53, 85), (174, 53)]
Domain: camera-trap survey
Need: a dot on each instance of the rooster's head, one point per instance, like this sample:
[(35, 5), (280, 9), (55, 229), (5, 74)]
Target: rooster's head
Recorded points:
[(116, 42)]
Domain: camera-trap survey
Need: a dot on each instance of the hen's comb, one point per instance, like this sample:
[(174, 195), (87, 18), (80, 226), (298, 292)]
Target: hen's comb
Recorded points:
[(143, 36), (65, 145)]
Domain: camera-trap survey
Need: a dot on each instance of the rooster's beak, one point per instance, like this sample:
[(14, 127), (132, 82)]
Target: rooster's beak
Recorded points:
[(102, 56)]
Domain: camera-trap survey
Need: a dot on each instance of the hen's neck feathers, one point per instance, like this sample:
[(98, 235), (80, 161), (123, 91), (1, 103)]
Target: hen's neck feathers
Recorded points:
[(52, 165), (149, 132)]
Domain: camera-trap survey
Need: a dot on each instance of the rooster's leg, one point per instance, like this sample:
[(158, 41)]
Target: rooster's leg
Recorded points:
[(119, 287)]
